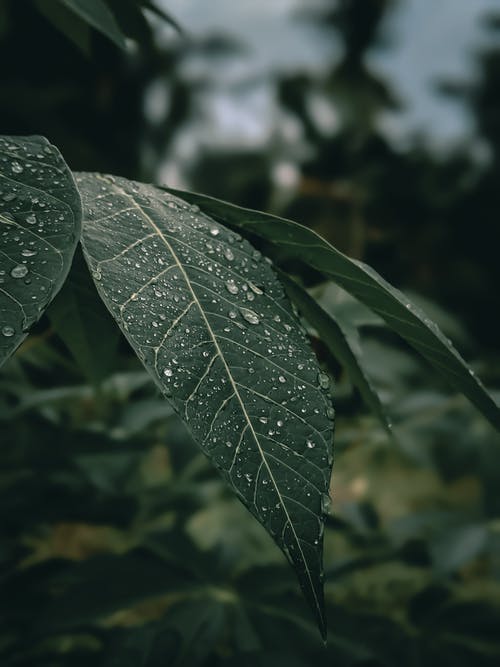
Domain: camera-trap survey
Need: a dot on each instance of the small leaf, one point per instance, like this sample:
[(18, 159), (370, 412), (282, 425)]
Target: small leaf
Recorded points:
[(212, 324), (337, 341), (362, 282), (97, 14), (40, 216)]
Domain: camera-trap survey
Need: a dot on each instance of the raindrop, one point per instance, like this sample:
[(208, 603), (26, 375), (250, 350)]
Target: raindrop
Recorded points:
[(249, 316), (8, 331), (325, 503), (19, 271), (324, 380), (228, 254), (232, 287), (248, 477), (28, 253), (31, 219), (17, 168), (96, 275), (310, 444), (255, 289), (282, 379), (168, 372), (263, 420), (214, 231), (233, 314)]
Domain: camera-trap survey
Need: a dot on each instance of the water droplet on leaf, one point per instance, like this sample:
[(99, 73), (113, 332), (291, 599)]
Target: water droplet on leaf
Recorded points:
[(249, 316), (19, 271)]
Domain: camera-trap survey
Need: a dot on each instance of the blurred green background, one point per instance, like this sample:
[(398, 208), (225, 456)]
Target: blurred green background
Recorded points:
[(377, 123)]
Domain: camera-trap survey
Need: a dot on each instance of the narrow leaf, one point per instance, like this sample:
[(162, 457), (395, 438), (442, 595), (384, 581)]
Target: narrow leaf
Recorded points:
[(97, 14), (40, 216), (362, 282), (212, 324), (338, 343)]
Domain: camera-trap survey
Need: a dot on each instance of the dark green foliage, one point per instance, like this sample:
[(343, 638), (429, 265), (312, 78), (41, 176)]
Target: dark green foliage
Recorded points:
[(120, 544)]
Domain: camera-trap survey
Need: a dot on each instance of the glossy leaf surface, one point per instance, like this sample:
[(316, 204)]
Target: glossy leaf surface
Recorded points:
[(212, 324), (40, 217)]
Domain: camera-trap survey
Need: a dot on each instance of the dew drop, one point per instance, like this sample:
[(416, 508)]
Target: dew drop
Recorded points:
[(282, 379), (310, 444), (263, 420), (31, 219), (249, 316), (28, 253), (232, 287), (17, 168), (214, 231), (228, 254), (324, 380), (8, 331), (233, 314), (325, 503), (168, 372), (19, 271), (255, 289)]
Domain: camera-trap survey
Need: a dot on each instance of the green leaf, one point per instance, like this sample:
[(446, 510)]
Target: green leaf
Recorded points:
[(81, 321), (67, 22), (339, 344), (364, 283), (212, 324), (97, 14), (40, 217)]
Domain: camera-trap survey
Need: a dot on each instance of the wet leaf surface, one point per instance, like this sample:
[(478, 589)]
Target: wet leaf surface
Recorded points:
[(212, 324), (40, 216)]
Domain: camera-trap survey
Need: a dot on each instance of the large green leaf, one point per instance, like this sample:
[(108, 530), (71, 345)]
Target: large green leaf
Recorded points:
[(212, 324), (362, 282), (40, 216)]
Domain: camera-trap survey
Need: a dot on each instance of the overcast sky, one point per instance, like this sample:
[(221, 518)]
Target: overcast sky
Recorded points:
[(431, 40)]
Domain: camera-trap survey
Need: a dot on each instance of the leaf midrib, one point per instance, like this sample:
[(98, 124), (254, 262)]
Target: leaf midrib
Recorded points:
[(231, 380)]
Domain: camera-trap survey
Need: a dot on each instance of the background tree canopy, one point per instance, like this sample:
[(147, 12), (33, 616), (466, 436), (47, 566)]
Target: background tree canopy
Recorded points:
[(120, 545)]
